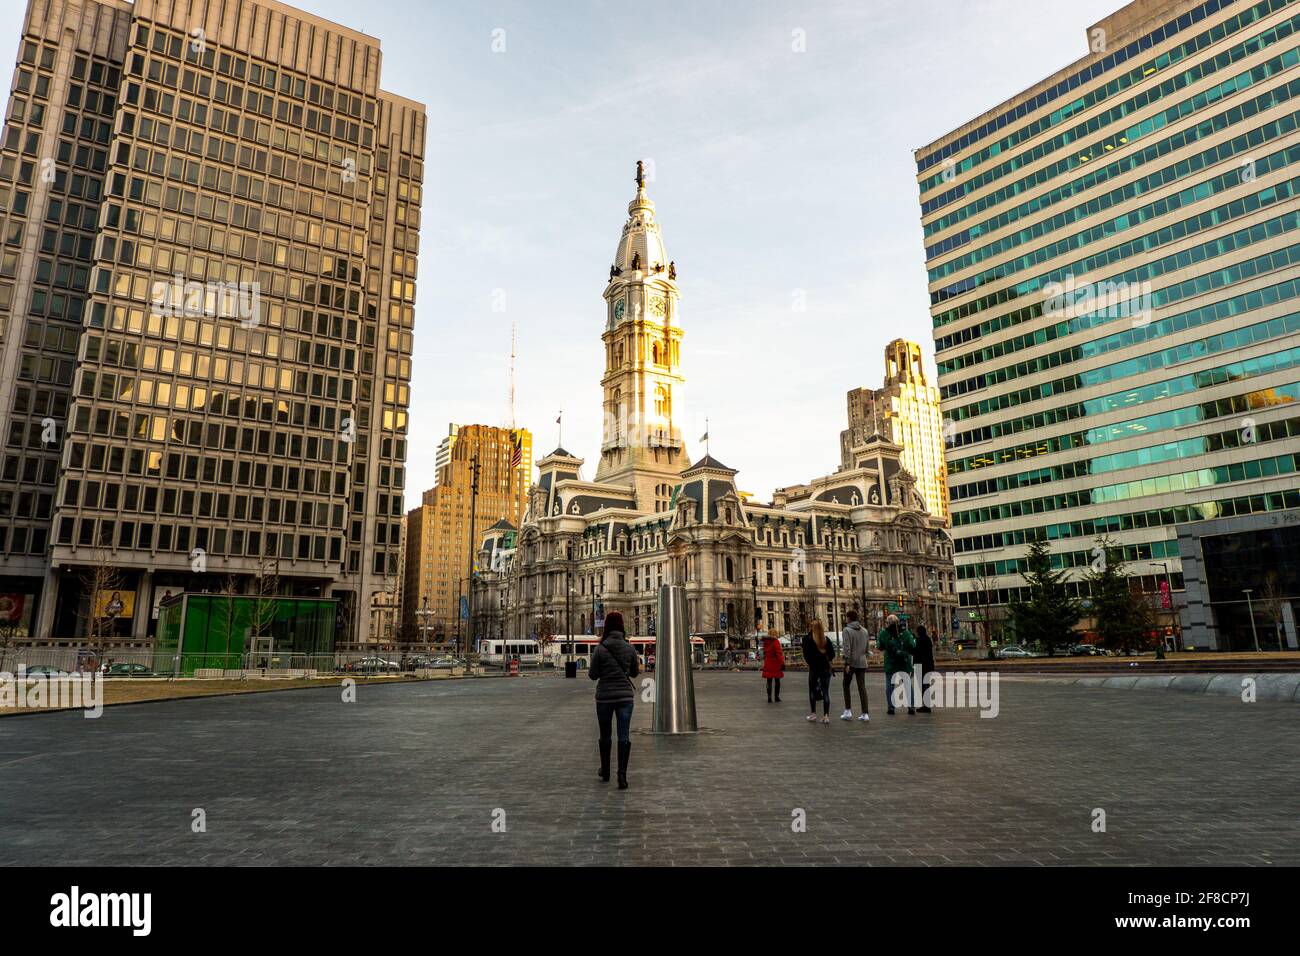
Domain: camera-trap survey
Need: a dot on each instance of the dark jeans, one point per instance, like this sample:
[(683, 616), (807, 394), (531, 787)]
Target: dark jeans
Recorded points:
[(605, 712), (906, 677), (861, 674), (819, 685), (777, 681)]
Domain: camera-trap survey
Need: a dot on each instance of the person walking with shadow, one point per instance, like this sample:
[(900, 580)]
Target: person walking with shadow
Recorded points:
[(614, 663), (818, 653), (773, 666), (855, 645)]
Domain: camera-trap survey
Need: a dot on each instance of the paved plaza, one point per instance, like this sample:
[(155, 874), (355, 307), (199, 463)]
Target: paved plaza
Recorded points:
[(416, 774)]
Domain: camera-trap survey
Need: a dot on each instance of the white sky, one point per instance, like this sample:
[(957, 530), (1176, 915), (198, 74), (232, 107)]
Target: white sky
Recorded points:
[(775, 171)]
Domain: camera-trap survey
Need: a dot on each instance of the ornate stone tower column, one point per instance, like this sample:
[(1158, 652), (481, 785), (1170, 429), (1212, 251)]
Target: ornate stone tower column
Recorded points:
[(641, 446)]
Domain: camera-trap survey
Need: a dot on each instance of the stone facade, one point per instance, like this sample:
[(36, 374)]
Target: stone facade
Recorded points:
[(859, 538)]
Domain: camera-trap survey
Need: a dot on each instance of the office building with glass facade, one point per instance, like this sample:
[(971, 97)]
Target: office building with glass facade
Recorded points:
[(1114, 274), (209, 222)]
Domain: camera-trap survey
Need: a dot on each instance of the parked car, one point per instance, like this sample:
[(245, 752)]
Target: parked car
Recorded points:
[(372, 665), (45, 670), (1085, 650), (418, 661), (124, 669), (1013, 650), (446, 663)]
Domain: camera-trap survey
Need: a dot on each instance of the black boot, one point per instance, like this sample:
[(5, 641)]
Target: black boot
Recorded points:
[(623, 750), (604, 760)]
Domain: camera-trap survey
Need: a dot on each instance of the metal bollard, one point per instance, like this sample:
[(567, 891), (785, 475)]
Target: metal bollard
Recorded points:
[(674, 707)]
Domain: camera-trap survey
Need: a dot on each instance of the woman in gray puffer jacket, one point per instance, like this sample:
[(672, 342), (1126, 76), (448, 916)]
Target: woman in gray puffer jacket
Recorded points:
[(614, 663)]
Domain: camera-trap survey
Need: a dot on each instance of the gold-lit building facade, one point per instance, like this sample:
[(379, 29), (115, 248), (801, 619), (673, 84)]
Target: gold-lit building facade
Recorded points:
[(207, 303), (905, 410), (438, 538)]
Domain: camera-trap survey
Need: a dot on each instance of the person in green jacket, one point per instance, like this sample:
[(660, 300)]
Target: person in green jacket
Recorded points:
[(896, 644)]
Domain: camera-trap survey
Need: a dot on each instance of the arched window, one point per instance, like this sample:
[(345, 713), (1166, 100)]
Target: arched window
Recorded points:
[(663, 402), (731, 570)]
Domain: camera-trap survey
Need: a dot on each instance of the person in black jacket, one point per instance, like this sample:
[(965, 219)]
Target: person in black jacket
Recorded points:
[(818, 653), (614, 663), (923, 657)]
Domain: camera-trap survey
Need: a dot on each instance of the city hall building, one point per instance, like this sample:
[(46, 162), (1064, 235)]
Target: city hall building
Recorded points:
[(209, 229), (861, 538), (1114, 276)]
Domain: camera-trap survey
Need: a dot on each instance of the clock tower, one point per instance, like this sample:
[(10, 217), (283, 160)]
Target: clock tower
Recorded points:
[(641, 446)]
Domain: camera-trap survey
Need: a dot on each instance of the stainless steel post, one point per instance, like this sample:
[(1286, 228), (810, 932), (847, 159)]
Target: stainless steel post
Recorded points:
[(674, 707)]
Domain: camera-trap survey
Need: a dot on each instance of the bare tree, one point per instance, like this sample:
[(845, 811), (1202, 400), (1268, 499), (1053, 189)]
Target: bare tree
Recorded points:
[(1273, 603), (230, 590), (740, 622), (101, 582), (804, 611), (10, 621), (266, 587), (546, 635), (988, 615)]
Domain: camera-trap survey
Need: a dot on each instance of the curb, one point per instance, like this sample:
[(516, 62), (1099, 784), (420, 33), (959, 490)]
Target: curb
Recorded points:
[(38, 711), (1281, 687)]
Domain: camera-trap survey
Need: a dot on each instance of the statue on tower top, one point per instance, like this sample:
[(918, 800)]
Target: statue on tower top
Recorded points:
[(640, 174)]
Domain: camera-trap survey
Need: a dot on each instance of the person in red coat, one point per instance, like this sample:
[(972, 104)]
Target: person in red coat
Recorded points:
[(773, 667)]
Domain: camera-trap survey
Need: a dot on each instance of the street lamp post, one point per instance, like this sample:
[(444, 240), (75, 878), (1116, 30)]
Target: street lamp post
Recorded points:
[(568, 598), (469, 584), (568, 617), (933, 585), (862, 570), (1250, 609), (835, 579), (459, 623), (423, 614), (753, 588)]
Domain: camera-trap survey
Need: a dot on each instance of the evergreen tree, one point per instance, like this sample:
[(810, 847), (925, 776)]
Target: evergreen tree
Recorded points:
[(1050, 613), (1123, 616)]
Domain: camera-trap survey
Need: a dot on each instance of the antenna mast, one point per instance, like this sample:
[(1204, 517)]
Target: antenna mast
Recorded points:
[(512, 375)]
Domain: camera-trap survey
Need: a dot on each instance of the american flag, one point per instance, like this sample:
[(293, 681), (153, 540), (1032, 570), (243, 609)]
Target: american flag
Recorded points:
[(517, 449)]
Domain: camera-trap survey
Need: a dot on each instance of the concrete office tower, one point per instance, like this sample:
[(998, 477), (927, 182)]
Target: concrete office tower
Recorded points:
[(438, 539), (207, 297), (905, 411), (1112, 259)]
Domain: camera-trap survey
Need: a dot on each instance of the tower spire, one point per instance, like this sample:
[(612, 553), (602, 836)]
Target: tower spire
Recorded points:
[(642, 446)]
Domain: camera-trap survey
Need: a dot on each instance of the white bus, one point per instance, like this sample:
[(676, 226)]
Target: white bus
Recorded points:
[(582, 645), (527, 652)]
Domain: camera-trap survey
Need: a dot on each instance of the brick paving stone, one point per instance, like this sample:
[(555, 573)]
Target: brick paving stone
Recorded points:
[(413, 773)]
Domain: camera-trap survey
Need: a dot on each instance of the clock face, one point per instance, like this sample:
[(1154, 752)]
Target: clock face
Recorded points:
[(619, 308), (657, 306)]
